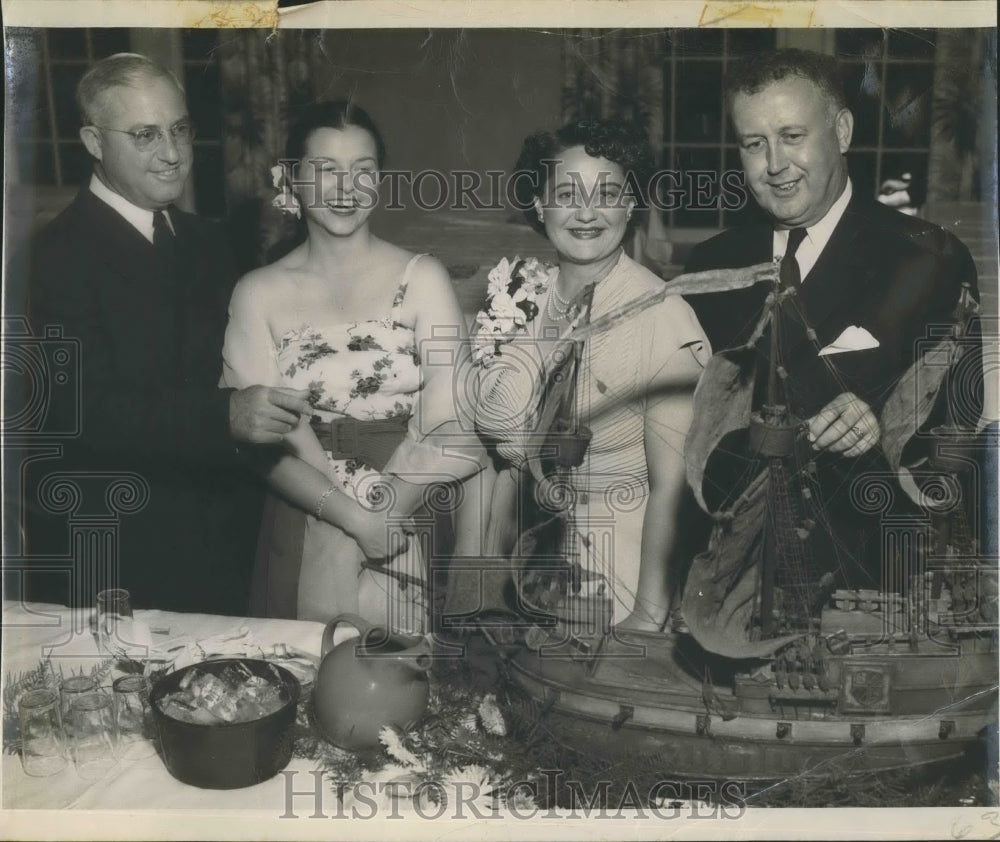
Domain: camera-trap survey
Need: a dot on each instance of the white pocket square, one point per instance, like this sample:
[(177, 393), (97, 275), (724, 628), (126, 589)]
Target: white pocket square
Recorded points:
[(853, 338)]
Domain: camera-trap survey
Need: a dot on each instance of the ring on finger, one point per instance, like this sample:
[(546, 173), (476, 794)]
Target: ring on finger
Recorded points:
[(858, 432)]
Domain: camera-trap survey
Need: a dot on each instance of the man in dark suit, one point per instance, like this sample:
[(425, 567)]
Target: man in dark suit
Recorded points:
[(869, 282), (144, 287)]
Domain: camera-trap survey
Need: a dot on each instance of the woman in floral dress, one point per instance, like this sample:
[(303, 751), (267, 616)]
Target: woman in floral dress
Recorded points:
[(354, 320)]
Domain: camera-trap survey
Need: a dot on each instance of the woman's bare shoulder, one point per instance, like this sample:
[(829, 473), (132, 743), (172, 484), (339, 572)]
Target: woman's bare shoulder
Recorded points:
[(430, 297), (269, 282), (429, 285), (399, 258), (426, 278), (429, 271)]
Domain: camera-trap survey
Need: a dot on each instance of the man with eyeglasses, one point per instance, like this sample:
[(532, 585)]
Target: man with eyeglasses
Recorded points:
[(144, 287)]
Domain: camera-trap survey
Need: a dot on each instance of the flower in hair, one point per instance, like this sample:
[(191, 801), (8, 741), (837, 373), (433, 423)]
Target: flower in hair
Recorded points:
[(285, 201)]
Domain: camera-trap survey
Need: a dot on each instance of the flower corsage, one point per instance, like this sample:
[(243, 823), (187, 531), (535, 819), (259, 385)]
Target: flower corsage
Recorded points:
[(510, 305), (285, 201)]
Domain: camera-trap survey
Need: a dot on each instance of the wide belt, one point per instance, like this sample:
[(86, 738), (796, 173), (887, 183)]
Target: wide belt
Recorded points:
[(371, 443)]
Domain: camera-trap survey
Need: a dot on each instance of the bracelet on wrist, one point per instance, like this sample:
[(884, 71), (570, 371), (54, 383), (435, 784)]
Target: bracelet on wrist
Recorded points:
[(318, 512)]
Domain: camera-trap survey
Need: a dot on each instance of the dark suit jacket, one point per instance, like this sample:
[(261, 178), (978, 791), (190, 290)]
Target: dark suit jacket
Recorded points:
[(150, 334), (885, 271), (882, 270)]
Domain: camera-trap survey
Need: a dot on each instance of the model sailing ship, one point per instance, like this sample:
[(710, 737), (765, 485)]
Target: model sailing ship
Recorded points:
[(773, 671)]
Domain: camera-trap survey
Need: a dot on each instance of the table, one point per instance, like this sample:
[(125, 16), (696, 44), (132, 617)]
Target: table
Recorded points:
[(31, 631), (140, 799)]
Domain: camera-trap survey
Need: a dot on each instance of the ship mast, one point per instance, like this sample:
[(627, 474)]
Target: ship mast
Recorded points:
[(774, 435)]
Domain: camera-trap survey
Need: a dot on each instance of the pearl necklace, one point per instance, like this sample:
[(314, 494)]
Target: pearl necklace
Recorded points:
[(557, 313)]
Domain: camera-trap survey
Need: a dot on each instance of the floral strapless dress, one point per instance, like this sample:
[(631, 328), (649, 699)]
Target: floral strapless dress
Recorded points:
[(367, 371)]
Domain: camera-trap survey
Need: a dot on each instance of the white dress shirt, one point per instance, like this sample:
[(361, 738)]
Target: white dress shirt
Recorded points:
[(139, 218), (817, 236)]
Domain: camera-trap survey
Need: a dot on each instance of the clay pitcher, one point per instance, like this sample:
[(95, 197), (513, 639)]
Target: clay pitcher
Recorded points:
[(369, 682)]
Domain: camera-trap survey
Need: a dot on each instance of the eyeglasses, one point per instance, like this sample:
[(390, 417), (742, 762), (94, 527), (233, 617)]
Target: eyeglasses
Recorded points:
[(150, 138)]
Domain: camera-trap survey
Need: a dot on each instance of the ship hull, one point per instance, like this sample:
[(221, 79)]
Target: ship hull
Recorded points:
[(650, 702)]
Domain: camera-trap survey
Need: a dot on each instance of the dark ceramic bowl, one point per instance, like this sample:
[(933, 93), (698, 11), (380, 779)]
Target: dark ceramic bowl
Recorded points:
[(226, 755)]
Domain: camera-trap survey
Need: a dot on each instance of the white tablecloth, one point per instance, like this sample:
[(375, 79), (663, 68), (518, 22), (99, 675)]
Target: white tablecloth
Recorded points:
[(141, 800), (31, 632)]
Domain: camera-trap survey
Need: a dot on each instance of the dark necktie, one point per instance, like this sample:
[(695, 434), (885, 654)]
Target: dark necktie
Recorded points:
[(787, 324), (164, 240), (789, 269)]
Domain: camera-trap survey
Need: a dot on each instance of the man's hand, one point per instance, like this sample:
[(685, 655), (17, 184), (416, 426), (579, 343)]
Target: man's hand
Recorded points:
[(846, 425), (263, 414)]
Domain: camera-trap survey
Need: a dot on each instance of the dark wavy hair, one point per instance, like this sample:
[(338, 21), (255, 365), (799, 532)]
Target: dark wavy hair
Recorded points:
[(750, 75), (332, 114), (621, 142)]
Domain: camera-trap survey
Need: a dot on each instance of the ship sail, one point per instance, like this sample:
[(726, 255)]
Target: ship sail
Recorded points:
[(726, 586), (554, 391)]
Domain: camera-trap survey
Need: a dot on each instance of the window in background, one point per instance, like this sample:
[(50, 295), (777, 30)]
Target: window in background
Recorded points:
[(46, 66), (696, 138), (889, 81), (888, 77)]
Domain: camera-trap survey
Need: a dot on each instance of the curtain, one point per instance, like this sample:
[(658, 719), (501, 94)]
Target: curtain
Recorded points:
[(615, 74), (963, 107), (265, 76)]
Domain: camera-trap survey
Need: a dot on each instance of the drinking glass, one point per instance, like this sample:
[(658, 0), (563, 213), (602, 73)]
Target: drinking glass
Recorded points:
[(114, 620), (136, 728), (95, 736), (43, 746), (71, 689)]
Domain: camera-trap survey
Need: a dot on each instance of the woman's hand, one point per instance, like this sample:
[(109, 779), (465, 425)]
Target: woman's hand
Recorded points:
[(381, 535)]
